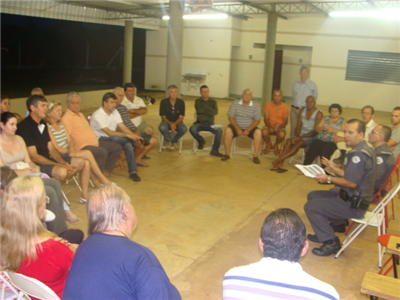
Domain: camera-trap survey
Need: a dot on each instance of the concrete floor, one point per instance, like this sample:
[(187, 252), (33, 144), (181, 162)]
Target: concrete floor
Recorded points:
[(202, 216)]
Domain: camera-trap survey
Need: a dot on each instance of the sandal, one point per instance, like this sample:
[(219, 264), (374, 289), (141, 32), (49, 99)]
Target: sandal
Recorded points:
[(73, 219), (82, 200)]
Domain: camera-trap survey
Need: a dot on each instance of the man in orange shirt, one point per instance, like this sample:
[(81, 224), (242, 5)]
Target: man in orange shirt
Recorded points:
[(275, 118), (105, 153)]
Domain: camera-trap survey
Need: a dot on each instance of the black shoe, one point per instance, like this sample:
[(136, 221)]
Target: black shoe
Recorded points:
[(225, 157), (340, 159), (256, 160), (339, 228), (328, 248), (313, 238), (216, 153), (201, 146), (134, 177)]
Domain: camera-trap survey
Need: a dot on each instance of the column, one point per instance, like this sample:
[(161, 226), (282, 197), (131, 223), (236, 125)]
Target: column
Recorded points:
[(128, 46)]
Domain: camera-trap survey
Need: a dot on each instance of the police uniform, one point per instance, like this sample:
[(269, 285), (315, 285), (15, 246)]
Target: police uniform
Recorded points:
[(324, 206), (385, 163)]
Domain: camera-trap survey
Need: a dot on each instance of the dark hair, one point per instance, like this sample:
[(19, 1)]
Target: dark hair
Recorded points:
[(204, 87), (5, 116), (283, 235), (4, 97), (6, 175), (360, 125), (396, 108), (128, 85), (386, 132), (108, 96), (34, 100), (368, 106), (276, 90), (335, 105)]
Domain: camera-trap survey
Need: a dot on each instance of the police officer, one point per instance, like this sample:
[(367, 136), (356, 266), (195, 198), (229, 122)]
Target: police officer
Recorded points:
[(378, 138), (356, 184)]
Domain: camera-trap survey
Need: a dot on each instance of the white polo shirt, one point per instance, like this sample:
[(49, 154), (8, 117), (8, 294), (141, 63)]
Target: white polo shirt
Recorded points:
[(100, 119)]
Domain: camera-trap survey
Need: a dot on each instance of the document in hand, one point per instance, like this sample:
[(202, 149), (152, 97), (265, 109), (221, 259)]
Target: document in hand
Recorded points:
[(310, 170)]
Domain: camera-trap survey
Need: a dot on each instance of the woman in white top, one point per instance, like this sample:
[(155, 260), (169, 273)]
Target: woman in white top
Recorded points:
[(64, 144)]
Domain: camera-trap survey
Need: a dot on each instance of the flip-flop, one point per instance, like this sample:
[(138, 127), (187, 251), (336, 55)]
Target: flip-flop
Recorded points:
[(73, 219), (275, 169), (280, 170), (142, 165)]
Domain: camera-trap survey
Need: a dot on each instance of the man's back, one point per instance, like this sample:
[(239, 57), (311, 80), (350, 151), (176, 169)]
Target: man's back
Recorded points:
[(114, 267), (274, 279)]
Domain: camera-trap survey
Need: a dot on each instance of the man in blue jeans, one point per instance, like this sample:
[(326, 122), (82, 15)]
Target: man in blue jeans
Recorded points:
[(172, 112), (106, 121), (206, 110)]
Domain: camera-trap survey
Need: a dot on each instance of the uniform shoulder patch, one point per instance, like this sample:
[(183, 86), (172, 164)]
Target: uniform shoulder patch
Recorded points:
[(379, 160), (355, 159)]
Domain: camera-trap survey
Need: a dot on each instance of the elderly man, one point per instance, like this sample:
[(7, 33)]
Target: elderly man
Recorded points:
[(378, 138), (275, 118), (136, 109), (244, 115), (172, 112), (141, 149), (108, 265), (206, 110), (356, 184), (106, 121), (105, 153), (300, 91), (304, 136), (394, 142), (278, 274)]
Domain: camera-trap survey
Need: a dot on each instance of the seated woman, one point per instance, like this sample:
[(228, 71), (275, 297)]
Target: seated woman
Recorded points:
[(327, 129), (304, 135), (27, 247), (13, 153), (64, 144), (5, 106)]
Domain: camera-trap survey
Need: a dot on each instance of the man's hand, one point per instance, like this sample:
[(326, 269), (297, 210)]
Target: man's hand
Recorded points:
[(246, 132), (173, 127), (295, 139), (134, 137), (322, 178), (329, 166), (239, 132), (69, 168)]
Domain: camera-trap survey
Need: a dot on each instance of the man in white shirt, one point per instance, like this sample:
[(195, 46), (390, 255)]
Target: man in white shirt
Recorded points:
[(278, 274), (106, 121)]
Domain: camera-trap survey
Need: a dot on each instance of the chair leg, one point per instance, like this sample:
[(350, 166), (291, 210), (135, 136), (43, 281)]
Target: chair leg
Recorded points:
[(65, 198)]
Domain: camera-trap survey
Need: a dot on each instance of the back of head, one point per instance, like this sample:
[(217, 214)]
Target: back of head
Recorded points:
[(386, 132), (283, 235), (20, 223), (105, 209), (6, 175)]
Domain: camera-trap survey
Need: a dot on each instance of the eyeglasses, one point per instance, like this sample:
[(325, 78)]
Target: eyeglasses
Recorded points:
[(376, 132)]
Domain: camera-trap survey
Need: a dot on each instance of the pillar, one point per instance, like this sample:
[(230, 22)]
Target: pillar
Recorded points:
[(128, 46)]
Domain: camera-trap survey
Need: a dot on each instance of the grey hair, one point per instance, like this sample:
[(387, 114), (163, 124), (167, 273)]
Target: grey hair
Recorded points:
[(116, 89), (105, 209), (304, 68), (73, 94), (36, 89)]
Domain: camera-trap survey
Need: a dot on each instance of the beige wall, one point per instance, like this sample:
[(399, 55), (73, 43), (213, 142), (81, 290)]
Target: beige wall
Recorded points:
[(223, 49)]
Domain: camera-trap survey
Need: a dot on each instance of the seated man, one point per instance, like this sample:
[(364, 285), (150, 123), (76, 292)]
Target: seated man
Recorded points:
[(304, 136), (206, 110), (105, 153), (105, 121), (172, 112), (136, 109), (278, 274), (141, 149), (394, 142), (40, 148), (378, 138), (244, 115), (108, 265), (275, 118), (352, 200)]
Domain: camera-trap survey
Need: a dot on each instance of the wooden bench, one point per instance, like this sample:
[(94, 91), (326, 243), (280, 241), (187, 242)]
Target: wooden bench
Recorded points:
[(379, 286)]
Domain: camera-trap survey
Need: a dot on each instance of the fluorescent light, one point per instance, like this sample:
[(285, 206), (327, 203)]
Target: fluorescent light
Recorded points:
[(199, 17), (384, 14)]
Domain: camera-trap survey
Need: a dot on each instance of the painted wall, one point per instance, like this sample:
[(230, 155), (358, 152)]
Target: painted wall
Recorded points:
[(226, 50)]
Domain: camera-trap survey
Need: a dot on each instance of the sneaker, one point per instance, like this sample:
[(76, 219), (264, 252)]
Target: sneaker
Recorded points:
[(225, 157), (256, 160), (134, 177), (172, 146), (216, 153), (168, 146), (201, 146)]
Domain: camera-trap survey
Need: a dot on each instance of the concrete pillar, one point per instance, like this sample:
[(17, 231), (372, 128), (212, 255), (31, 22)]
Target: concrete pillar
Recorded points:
[(175, 45), (128, 46), (269, 59)]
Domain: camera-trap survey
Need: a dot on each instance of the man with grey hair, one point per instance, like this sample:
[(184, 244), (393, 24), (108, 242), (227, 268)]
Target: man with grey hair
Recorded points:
[(37, 91), (300, 91), (108, 265), (105, 153)]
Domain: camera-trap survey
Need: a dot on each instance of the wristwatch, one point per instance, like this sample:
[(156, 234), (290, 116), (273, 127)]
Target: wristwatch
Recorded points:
[(329, 180)]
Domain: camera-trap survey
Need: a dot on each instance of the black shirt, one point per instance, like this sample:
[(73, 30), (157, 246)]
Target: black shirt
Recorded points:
[(172, 112)]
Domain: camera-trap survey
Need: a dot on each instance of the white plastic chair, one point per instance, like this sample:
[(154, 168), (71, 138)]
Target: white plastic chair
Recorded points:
[(234, 151), (32, 287), (162, 146), (303, 156), (8, 290), (215, 126), (375, 219)]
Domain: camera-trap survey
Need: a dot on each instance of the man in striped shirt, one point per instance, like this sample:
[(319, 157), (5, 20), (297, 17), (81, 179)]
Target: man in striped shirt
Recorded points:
[(244, 115), (278, 275)]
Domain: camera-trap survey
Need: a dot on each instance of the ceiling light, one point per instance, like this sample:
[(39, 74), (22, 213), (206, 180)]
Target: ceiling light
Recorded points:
[(199, 17), (384, 14)]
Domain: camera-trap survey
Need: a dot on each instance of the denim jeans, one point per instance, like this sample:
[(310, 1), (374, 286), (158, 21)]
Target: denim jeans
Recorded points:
[(127, 145), (165, 128), (195, 128)]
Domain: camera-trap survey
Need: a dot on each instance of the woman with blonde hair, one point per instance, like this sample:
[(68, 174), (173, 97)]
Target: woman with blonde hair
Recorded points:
[(64, 144), (26, 246)]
